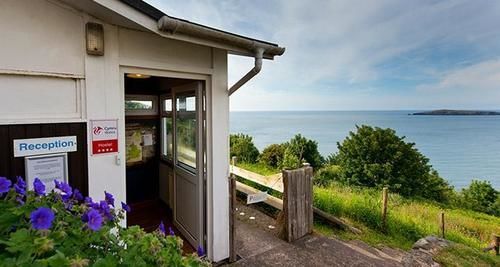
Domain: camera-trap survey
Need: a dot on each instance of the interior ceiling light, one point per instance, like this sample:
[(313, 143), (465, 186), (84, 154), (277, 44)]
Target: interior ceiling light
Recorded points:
[(138, 76)]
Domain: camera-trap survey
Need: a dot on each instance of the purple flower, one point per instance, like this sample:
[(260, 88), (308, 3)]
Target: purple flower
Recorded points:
[(41, 219), (104, 208), (89, 202), (161, 227), (200, 251), (171, 231), (65, 188), (77, 195), (20, 186), (4, 185), (126, 207), (109, 198), (39, 187), (93, 219)]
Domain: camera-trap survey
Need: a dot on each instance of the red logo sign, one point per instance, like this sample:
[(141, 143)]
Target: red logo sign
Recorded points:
[(98, 130), (104, 136), (104, 146)]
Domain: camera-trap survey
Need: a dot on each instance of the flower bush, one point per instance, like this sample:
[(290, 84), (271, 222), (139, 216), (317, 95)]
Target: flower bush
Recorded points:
[(62, 228)]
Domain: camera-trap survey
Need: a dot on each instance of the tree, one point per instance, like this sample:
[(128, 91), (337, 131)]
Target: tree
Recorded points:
[(273, 155), (242, 146), (377, 157), (305, 150), (481, 196)]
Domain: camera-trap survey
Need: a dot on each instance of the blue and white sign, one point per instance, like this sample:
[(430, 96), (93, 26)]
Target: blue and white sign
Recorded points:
[(41, 146)]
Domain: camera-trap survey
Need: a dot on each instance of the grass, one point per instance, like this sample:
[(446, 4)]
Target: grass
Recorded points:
[(408, 220), (259, 168), (463, 256)]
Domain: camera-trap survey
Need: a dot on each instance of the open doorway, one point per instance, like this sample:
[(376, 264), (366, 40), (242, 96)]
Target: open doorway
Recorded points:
[(165, 157)]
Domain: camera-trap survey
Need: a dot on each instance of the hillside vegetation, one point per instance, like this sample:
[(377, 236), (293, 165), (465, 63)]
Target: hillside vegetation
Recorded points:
[(408, 220)]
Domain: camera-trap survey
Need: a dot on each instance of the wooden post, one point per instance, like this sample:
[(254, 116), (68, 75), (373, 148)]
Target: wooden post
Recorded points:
[(232, 206), (496, 241), (297, 215), (441, 224), (384, 207)]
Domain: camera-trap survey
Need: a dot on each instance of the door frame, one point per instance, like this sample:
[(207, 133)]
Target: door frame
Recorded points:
[(206, 78)]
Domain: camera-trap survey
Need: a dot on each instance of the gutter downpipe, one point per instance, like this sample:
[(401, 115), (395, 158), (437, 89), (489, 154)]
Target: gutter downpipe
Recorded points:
[(250, 74)]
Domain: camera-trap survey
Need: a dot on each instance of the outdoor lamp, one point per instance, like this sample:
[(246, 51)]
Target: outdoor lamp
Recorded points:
[(95, 39)]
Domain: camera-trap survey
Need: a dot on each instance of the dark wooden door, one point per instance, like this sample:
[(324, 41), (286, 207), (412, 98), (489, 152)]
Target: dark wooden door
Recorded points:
[(77, 161)]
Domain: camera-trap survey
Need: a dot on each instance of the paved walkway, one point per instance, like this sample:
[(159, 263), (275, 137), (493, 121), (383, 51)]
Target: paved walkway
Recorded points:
[(257, 245)]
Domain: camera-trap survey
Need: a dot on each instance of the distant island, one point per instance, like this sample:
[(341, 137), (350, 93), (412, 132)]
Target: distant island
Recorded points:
[(451, 112)]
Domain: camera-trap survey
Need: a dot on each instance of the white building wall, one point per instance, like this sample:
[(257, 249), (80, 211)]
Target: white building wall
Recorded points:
[(47, 77)]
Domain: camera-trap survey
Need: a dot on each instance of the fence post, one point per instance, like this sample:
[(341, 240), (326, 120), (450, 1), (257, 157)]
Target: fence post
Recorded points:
[(441, 224), (297, 213), (384, 207), (232, 206)]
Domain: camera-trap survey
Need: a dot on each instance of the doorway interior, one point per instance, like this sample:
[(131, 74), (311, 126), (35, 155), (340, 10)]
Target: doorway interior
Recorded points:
[(165, 155)]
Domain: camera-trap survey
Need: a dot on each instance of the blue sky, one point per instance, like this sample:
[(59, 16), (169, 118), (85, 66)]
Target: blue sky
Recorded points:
[(361, 55)]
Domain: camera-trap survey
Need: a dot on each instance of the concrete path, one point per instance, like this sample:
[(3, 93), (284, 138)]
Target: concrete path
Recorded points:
[(258, 246)]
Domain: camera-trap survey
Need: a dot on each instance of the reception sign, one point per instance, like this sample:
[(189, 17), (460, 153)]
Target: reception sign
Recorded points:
[(40, 146), (104, 136)]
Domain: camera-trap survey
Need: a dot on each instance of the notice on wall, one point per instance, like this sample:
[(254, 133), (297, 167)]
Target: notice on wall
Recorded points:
[(47, 168), (104, 136), (40, 146)]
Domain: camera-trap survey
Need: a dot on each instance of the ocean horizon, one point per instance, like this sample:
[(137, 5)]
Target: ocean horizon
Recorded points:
[(460, 148)]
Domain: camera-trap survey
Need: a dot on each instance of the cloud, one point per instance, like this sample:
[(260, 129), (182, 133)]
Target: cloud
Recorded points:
[(346, 54)]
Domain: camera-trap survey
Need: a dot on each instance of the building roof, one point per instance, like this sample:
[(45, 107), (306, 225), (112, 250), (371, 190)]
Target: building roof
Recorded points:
[(157, 14)]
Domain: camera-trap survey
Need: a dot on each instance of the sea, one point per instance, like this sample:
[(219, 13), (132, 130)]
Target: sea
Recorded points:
[(460, 148)]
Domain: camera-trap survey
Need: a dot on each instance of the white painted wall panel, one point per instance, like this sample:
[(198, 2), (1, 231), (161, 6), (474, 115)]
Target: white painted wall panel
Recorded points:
[(219, 154), (138, 47), (37, 97), (105, 100), (39, 35)]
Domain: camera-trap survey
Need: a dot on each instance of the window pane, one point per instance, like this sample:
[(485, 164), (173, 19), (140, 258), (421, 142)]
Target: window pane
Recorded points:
[(186, 103), (167, 105), (166, 138), (186, 131), (138, 104)]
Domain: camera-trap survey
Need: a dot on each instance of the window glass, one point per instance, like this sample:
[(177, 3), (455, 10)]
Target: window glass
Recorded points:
[(167, 137), (138, 104), (186, 131), (186, 103), (167, 105)]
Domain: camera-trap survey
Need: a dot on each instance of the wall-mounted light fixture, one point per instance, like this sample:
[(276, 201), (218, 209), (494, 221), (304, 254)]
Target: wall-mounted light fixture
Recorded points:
[(95, 39), (138, 76)]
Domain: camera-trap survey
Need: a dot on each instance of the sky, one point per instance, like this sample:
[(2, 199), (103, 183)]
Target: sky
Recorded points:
[(361, 54)]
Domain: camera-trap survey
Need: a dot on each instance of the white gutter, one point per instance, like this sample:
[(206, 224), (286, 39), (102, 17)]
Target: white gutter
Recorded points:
[(257, 48)]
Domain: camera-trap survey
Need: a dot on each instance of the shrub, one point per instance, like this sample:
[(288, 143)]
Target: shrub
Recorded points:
[(290, 160), (305, 150), (327, 175), (61, 228), (377, 157), (241, 146), (273, 155), (481, 196)]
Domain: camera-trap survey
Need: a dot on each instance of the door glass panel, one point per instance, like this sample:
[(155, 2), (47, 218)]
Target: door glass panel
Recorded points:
[(186, 132), (167, 134)]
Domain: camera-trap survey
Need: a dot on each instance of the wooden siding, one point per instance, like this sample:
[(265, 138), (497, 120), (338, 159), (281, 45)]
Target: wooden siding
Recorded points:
[(77, 161)]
